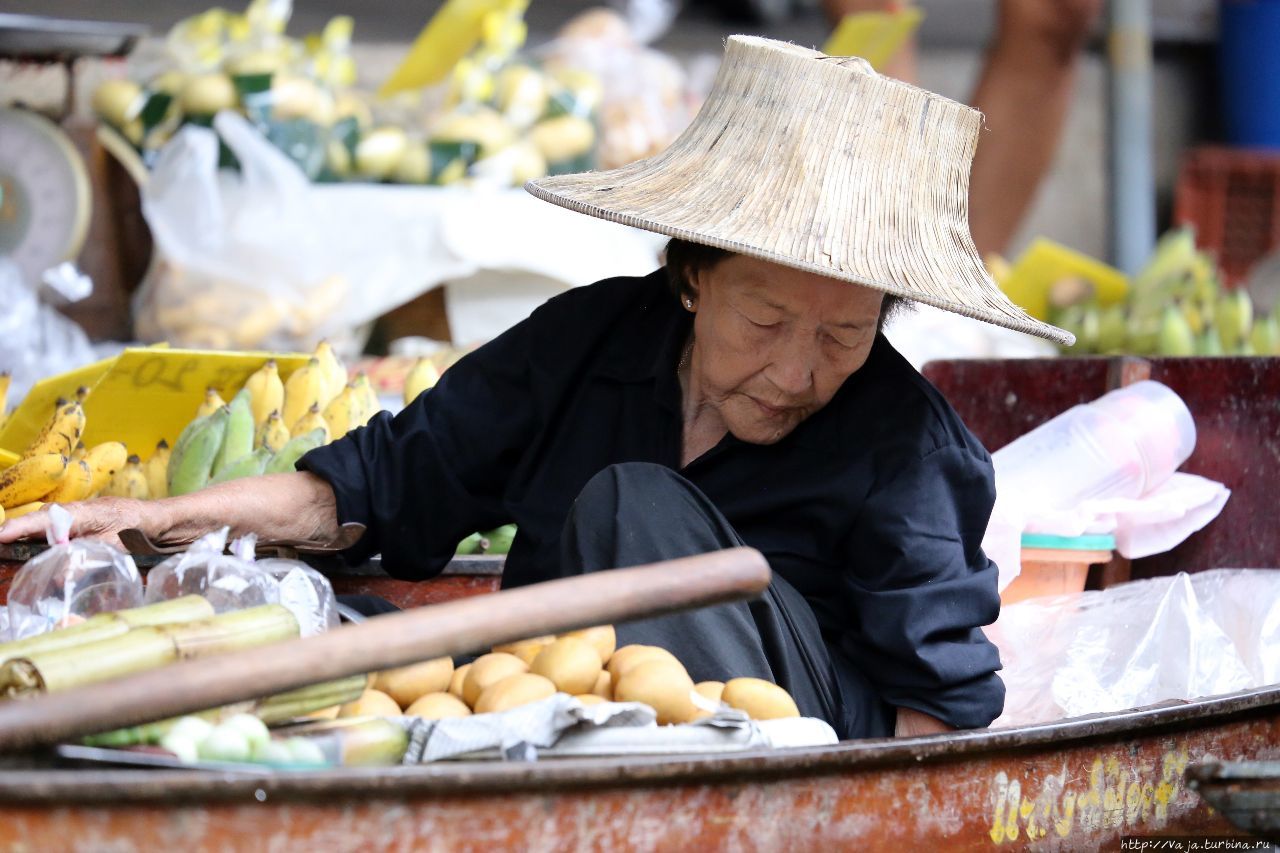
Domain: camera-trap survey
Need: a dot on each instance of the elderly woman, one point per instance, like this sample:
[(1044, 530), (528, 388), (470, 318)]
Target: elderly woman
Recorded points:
[(741, 395)]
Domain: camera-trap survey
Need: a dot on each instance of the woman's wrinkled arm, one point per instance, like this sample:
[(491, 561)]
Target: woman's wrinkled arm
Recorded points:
[(297, 506)]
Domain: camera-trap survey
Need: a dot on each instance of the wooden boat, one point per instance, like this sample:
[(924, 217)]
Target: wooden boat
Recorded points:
[(1075, 784)]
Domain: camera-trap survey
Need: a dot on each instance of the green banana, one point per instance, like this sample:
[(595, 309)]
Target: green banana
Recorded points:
[(197, 449), (250, 465), (1209, 343), (295, 449), (1176, 337), (1234, 316), (1265, 336), (238, 440), (498, 540), (470, 545), (1112, 329)]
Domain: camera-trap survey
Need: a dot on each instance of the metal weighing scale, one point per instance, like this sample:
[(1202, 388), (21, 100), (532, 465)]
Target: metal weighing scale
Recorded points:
[(45, 198)]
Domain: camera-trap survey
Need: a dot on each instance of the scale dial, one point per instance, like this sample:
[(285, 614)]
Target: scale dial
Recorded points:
[(44, 193)]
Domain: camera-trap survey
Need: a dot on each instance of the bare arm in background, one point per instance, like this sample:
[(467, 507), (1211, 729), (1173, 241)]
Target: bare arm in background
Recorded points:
[(1025, 90), (296, 506)]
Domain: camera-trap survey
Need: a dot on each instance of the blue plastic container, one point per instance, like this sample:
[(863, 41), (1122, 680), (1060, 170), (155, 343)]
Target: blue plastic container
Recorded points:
[(1249, 57)]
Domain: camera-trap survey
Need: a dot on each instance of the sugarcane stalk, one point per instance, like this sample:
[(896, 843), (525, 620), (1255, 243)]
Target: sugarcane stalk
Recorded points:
[(73, 666), (240, 629), (144, 648), (188, 608), (104, 626), (298, 703)]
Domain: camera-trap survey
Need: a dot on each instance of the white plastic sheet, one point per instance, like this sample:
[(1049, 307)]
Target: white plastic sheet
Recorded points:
[(264, 259), (227, 581), (1139, 643)]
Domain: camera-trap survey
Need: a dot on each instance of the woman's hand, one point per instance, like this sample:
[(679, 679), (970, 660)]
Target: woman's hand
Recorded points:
[(295, 506), (103, 519)]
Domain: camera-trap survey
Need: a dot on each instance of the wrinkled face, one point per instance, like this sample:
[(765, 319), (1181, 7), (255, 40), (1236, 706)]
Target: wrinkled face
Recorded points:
[(773, 345)]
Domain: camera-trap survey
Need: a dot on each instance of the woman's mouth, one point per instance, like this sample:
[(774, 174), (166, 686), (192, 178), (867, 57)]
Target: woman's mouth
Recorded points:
[(770, 411)]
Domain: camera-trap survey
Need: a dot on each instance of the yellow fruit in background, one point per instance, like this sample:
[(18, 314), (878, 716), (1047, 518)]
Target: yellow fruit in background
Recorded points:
[(212, 402), (590, 699), (157, 470), (710, 689), (602, 637), (335, 373), (570, 663), (273, 434), (526, 650), (563, 138), (628, 656), (206, 94), (421, 376), (118, 101), (760, 699), (372, 703), (304, 389), (459, 676), (312, 420), (414, 167), (24, 509), (662, 685), (266, 392), (489, 669), (75, 485), (105, 460), (407, 683), (438, 706), (379, 151), (514, 691)]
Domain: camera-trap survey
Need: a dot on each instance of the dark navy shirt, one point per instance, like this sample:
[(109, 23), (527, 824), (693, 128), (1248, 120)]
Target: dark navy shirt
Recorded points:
[(873, 508)]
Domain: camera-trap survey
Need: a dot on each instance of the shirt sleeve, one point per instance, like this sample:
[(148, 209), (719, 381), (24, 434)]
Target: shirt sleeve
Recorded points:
[(435, 473), (920, 588)]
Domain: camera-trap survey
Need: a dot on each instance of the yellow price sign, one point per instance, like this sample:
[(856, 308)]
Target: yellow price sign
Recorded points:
[(1045, 263), (450, 35), (874, 36), (141, 395)]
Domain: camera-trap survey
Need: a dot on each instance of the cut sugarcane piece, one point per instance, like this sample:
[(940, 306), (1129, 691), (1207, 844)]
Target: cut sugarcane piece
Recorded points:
[(104, 626), (145, 648), (298, 703)]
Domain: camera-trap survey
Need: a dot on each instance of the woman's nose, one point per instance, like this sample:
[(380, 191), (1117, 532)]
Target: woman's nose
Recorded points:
[(792, 370)]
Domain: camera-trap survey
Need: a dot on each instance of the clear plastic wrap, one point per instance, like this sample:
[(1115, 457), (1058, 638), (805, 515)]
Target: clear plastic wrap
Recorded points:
[(306, 592), (1139, 643), (227, 581), (70, 582)]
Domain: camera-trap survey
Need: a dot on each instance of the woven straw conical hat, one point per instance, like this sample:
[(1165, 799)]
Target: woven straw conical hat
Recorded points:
[(817, 163)]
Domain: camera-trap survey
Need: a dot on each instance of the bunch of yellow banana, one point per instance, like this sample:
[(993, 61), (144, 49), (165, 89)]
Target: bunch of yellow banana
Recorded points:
[(57, 468), (5, 378), (269, 424)]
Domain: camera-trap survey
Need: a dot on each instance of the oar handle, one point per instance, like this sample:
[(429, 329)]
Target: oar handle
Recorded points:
[(456, 627)]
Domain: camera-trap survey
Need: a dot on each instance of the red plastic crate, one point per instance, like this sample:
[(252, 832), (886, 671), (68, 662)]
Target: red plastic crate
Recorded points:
[(1232, 199)]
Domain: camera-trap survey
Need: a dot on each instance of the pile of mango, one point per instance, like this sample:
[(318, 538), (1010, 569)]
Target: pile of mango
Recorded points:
[(585, 664), (1176, 306)]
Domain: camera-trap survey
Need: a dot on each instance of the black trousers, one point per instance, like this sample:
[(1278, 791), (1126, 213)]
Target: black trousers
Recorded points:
[(636, 513)]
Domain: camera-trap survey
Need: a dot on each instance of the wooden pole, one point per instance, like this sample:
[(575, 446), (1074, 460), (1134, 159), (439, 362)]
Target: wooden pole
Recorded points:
[(456, 627)]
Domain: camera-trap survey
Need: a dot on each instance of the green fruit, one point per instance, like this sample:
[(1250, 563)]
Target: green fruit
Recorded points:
[(1209, 343), (293, 450), (1265, 336), (306, 752), (1112, 329), (273, 752), (1175, 338), (238, 440), (499, 539), (224, 744), (252, 465), (470, 545), (1234, 318), (196, 451)]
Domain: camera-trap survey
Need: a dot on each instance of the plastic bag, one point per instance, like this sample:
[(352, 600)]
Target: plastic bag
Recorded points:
[(35, 340), (227, 581), (70, 582), (306, 592), (1139, 643)]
